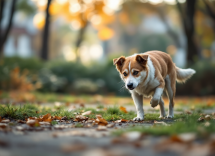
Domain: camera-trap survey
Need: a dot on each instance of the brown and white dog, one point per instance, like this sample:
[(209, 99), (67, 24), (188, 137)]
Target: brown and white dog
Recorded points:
[(148, 75)]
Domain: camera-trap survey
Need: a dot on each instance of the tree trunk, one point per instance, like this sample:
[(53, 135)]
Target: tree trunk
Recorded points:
[(45, 37), (210, 11), (4, 36), (79, 40), (187, 19)]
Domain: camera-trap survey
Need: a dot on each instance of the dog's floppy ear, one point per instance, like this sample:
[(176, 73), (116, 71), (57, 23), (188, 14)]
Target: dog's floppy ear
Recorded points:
[(142, 59), (119, 62)]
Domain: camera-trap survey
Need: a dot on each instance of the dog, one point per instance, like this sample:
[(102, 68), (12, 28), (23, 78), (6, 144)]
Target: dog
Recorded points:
[(148, 75)]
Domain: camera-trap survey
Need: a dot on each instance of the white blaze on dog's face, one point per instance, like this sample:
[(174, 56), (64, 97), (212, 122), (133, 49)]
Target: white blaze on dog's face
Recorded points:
[(133, 70)]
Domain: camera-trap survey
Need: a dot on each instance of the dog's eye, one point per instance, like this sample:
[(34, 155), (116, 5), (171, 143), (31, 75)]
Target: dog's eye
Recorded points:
[(125, 74), (135, 72)]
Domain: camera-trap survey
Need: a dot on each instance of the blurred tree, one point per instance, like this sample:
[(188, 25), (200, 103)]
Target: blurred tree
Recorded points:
[(81, 13), (4, 36), (26, 7), (45, 37), (187, 13), (210, 8)]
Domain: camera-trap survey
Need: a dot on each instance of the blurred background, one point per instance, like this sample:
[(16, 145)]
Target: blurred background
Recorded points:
[(67, 46)]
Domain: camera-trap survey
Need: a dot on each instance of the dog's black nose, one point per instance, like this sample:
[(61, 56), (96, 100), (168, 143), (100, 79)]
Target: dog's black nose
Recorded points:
[(130, 85)]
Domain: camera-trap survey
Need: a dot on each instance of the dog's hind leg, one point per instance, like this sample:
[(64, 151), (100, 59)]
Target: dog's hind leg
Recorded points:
[(170, 90), (162, 109), (138, 101)]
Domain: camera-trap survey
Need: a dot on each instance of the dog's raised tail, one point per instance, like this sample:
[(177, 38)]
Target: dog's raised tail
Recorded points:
[(184, 74)]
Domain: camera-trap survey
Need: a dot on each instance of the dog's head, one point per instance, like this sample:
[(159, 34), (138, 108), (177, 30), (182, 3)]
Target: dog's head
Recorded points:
[(133, 70)]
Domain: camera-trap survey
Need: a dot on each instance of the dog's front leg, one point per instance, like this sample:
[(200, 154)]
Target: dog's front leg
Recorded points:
[(156, 97), (138, 101), (158, 91)]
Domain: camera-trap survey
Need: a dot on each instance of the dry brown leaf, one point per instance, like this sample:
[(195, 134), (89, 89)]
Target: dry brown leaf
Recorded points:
[(46, 118), (80, 118), (3, 125), (207, 117), (101, 121), (110, 125), (201, 119), (87, 113), (5, 121), (21, 121), (33, 123), (64, 118), (121, 120), (123, 109), (44, 123), (188, 112), (20, 128), (81, 105), (57, 117)]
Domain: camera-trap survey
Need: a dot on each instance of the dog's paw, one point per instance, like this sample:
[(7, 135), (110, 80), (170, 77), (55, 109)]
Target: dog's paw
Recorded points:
[(162, 117), (154, 102), (169, 117), (138, 119)]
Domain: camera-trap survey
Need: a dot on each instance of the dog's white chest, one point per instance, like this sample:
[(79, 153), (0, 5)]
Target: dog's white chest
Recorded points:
[(147, 90)]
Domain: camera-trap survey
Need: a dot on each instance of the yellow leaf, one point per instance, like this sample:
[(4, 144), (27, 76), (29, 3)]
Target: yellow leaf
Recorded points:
[(123, 109), (105, 33)]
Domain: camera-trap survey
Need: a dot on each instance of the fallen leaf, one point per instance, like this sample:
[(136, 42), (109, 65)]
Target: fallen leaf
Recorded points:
[(33, 123), (20, 128), (89, 121), (81, 105), (110, 125), (207, 117), (188, 112), (5, 121), (87, 113), (64, 118), (47, 118), (60, 126), (57, 117), (101, 121), (21, 121), (80, 118), (123, 109), (44, 123), (121, 120), (201, 119), (3, 125)]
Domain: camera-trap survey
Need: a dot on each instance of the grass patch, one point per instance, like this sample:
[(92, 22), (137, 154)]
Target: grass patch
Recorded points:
[(30, 110), (187, 124)]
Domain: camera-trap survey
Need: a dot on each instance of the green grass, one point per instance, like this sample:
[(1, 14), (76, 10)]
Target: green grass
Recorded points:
[(31, 110), (186, 124), (183, 122)]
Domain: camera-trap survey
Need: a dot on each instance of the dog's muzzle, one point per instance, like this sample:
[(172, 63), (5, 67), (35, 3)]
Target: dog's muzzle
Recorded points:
[(130, 86)]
